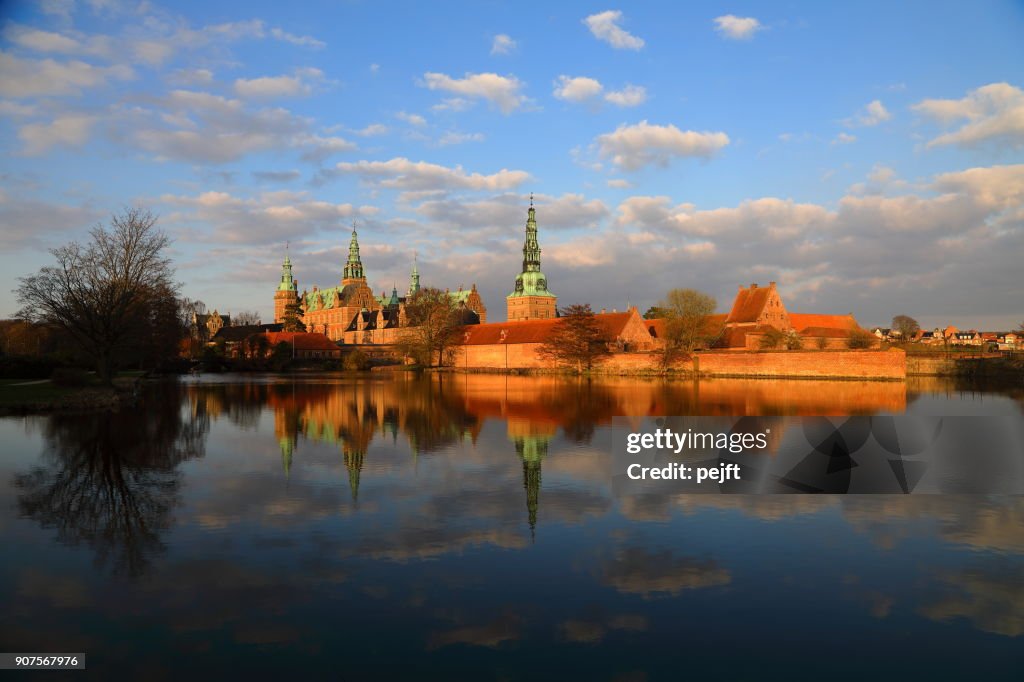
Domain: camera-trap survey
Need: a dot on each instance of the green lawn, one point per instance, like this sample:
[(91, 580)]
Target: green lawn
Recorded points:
[(13, 395)]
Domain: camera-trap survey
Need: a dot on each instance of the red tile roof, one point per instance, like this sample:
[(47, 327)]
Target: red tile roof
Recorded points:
[(531, 331), (803, 321), (301, 340), (748, 305)]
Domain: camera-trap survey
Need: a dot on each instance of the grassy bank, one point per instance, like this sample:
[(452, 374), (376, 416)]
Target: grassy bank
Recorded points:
[(19, 396)]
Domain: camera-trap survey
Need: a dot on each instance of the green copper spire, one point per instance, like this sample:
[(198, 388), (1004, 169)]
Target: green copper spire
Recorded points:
[(394, 296), (414, 278), (531, 281), (287, 281), (354, 266)]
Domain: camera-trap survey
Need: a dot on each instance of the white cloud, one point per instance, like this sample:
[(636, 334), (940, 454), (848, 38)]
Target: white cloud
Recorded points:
[(605, 26), (872, 114), (192, 77), (202, 127), (737, 28), (38, 40), (995, 187), (452, 104), (629, 96), (501, 91), (265, 217), (459, 138), (372, 130), (577, 89), (45, 77), (301, 83), (401, 173), (619, 183), (71, 130), (301, 41), (634, 146), (411, 119), (993, 113), (503, 44), (844, 138)]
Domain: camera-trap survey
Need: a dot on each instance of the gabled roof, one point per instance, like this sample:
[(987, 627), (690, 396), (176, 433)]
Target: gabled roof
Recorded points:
[(749, 303), (532, 331)]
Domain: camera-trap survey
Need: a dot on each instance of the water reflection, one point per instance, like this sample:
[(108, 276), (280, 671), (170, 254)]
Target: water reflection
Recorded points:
[(456, 527), (111, 483)]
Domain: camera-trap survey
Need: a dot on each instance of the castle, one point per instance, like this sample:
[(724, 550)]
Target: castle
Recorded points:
[(351, 313)]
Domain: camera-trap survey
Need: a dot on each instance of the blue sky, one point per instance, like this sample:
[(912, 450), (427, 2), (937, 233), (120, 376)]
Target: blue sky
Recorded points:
[(869, 158)]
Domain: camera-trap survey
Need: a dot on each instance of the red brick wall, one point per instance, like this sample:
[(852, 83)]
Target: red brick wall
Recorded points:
[(873, 364)]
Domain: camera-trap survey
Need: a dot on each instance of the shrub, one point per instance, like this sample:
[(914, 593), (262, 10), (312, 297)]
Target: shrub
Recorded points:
[(21, 367), (822, 343), (356, 361), (860, 339)]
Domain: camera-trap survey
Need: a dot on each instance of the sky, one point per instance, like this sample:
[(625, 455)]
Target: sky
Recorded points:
[(868, 157)]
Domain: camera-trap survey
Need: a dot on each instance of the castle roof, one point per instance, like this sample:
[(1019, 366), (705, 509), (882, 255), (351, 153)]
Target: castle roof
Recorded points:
[(533, 331)]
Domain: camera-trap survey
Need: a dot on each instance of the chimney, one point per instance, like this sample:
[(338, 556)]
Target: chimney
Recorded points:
[(754, 285), (602, 311), (771, 285)]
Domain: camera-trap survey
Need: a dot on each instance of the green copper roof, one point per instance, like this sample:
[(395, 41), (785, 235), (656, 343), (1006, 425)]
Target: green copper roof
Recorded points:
[(354, 266), (287, 281), (531, 281)]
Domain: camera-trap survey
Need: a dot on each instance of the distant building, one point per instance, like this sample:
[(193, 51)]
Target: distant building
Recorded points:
[(305, 346), (351, 313), (205, 327), (756, 309)]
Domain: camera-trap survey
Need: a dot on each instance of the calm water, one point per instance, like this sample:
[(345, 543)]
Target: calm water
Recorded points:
[(464, 528)]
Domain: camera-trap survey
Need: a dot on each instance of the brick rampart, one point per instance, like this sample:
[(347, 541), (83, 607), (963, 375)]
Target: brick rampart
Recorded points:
[(861, 364)]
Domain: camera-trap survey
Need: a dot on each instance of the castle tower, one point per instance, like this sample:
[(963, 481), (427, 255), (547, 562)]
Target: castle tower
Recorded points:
[(531, 299), (353, 271), (287, 290), (414, 279)]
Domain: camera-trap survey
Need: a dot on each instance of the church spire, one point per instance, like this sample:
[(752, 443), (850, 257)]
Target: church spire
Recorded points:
[(287, 281), (531, 247), (414, 277), (354, 266)]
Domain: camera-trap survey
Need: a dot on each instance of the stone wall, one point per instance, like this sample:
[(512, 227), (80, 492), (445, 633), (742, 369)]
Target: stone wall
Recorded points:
[(866, 364)]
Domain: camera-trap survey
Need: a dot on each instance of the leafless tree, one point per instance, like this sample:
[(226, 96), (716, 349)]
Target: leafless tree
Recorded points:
[(246, 318), (687, 313), (433, 321), (577, 339), (101, 292)]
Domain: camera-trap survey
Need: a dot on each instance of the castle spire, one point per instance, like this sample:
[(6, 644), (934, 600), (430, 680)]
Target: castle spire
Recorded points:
[(287, 280), (354, 266), (531, 299), (414, 277)]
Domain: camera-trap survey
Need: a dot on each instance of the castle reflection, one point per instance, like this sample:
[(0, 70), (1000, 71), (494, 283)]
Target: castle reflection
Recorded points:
[(436, 411)]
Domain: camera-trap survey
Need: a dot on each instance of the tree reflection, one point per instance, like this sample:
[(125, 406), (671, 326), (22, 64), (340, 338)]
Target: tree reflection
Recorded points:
[(111, 481)]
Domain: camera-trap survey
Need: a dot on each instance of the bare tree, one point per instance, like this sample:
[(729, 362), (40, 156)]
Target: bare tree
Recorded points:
[(906, 326), (433, 321), (687, 313), (246, 318), (577, 339), (100, 292)]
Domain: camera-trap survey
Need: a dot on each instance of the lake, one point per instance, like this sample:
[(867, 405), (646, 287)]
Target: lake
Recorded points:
[(457, 527)]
